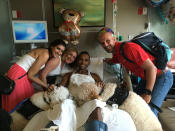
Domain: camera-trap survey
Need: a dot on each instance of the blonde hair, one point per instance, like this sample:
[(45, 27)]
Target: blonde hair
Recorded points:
[(71, 49), (67, 51)]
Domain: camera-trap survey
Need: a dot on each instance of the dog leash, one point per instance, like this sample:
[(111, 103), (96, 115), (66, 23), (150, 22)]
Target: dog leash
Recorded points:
[(155, 106)]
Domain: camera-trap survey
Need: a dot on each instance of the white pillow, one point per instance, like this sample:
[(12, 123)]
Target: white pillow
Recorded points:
[(96, 66)]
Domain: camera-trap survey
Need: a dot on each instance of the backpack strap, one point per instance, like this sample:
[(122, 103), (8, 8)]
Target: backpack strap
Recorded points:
[(123, 54)]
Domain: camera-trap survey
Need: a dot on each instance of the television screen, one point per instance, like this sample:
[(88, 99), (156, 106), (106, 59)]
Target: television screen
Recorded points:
[(29, 31)]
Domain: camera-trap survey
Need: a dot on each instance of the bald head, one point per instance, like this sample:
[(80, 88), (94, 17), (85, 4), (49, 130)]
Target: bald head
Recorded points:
[(104, 30), (107, 40)]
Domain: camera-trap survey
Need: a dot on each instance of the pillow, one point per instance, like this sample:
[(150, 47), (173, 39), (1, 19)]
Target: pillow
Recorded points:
[(113, 68), (140, 112), (96, 66), (112, 73)]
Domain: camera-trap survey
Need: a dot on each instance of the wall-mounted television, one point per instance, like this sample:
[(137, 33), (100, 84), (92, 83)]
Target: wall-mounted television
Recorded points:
[(29, 31)]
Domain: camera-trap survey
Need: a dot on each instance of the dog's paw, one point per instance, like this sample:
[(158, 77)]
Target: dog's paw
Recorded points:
[(100, 98), (108, 91)]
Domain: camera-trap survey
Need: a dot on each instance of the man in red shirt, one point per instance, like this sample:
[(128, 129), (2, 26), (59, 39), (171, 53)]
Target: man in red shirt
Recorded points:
[(155, 83)]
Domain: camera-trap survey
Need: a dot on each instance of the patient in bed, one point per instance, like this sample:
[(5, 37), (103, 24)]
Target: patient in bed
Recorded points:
[(80, 78), (68, 114)]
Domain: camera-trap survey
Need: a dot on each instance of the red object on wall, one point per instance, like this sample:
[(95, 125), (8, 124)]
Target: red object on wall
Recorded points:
[(113, 1), (18, 14), (171, 63), (140, 11)]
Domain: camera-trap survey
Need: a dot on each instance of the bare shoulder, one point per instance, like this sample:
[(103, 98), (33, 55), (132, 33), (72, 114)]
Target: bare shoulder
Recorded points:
[(39, 52), (44, 52)]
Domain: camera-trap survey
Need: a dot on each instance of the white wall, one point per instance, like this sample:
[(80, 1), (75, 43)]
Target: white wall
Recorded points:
[(165, 31), (128, 20)]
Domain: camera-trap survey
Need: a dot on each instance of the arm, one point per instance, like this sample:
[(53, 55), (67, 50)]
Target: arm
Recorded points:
[(50, 65), (108, 61), (34, 69), (98, 80), (65, 80), (150, 71)]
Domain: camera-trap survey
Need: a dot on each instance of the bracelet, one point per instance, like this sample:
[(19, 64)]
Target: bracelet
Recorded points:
[(147, 91)]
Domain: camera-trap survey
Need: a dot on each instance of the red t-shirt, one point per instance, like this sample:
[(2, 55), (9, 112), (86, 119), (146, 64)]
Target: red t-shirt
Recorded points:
[(135, 53)]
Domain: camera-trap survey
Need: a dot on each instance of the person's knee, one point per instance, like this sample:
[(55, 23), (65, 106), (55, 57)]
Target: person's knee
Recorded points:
[(96, 115), (95, 125), (95, 121)]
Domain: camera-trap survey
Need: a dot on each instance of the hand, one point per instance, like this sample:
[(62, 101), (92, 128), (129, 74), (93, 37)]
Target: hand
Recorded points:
[(123, 85), (146, 97), (108, 60), (51, 88), (100, 84)]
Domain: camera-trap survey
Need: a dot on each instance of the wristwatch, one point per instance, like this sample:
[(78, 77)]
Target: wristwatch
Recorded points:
[(147, 91)]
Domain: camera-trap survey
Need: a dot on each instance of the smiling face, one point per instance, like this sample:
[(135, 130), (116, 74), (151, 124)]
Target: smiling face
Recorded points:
[(69, 57), (83, 61), (57, 50), (107, 41)]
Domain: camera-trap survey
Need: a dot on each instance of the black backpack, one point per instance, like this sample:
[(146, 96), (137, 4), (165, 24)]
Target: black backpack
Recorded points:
[(156, 3), (153, 45)]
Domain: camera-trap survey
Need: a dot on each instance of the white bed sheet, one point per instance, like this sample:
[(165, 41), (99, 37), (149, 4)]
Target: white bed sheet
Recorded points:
[(114, 118)]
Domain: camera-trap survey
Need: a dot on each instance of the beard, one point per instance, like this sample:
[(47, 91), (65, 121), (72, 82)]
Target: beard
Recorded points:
[(109, 49)]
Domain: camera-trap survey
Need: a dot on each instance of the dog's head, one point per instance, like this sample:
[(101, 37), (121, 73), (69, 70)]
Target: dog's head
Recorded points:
[(58, 95), (44, 100)]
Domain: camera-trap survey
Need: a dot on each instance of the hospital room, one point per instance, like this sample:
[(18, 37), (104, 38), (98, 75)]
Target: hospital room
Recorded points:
[(87, 65)]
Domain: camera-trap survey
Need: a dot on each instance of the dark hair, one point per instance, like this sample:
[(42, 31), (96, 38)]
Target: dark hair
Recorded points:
[(55, 43), (81, 53)]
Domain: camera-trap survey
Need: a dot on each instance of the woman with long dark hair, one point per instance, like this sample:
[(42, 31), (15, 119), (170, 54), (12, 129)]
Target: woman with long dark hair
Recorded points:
[(27, 68)]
